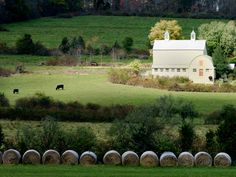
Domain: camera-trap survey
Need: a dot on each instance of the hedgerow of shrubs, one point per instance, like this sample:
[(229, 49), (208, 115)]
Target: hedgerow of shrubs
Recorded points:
[(39, 106), (6, 72), (50, 135), (65, 60), (127, 76)]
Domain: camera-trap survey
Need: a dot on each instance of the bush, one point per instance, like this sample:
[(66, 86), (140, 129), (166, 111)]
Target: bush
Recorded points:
[(214, 118), (119, 76), (83, 139), (4, 102), (65, 45), (1, 137), (49, 135), (65, 60), (186, 136), (38, 106), (137, 131), (225, 133), (5, 72), (25, 45), (40, 49), (127, 43), (211, 143)]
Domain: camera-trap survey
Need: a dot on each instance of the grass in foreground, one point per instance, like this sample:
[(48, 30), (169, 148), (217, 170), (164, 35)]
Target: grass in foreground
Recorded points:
[(107, 29), (109, 171)]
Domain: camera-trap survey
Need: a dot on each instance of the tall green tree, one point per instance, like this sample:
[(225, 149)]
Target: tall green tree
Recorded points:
[(25, 45), (220, 62), (226, 133)]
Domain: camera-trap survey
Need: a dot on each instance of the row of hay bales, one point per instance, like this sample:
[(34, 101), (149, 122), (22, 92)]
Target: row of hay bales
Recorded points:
[(112, 157)]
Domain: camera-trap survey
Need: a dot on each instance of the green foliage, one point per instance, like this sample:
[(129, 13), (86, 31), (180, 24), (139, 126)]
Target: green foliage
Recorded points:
[(4, 102), (78, 43), (2, 137), (83, 139), (40, 105), (186, 136), (25, 45), (220, 62), (65, 45), (49, 135), (119, 76), (172, 26), (127, 43), (211, 142), (226, 134), (65, 60), (135, 67), (138, 131), (219, 34)]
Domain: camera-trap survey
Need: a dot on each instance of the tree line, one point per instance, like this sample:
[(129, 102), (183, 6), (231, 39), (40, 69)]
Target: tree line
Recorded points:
[(18, 10)]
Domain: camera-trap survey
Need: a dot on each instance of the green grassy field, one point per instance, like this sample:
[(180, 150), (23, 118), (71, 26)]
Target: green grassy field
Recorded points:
[(107, 29), (109, 171), (85, 86)]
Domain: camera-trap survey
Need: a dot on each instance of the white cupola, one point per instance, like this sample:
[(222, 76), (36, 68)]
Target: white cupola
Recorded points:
[(193, 36), (167, 36)]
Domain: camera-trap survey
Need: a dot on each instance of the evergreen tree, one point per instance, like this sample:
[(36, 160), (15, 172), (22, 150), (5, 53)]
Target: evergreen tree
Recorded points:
[(65, 45), (25, 45), (220, 62)]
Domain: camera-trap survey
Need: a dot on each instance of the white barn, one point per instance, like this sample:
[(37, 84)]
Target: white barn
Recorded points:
[(186, 58)]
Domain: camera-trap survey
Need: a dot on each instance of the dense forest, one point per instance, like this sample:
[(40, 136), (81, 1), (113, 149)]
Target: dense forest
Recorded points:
[(18, 10)]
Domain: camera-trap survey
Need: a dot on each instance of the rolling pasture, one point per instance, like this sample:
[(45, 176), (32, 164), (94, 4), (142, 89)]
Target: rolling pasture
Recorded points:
[(86, 87), (102, 29), (109, 171)]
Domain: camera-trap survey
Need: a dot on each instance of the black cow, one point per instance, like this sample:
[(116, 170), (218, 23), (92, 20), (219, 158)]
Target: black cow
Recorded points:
[(15, 91), (60, 86)]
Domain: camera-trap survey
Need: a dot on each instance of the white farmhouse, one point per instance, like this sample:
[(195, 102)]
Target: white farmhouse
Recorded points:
[(186, 58)]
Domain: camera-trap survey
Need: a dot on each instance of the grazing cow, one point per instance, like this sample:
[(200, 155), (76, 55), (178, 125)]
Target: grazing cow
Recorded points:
[(15, 91), (60, 86)]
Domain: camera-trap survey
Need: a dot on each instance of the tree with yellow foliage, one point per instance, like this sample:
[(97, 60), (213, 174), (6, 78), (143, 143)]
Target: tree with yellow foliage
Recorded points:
[(172, 26)]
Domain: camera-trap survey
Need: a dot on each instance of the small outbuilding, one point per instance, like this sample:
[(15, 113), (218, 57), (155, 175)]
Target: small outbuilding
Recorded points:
[(184, 58)]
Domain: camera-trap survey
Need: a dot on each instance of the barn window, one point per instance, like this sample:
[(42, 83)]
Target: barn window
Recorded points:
[(194, 70), (184, 70), (161, 69), (207, 70), (178, 70), (156, 69), (167, 69), (172, 69)]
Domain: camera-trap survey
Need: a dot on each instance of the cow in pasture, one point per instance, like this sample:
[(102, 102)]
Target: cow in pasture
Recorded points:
[(15, 91), (60, 86)]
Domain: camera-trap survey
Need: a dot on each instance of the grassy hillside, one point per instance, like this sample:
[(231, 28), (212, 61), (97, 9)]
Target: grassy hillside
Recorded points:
[(85, 85), (107, 29), (109, 171)]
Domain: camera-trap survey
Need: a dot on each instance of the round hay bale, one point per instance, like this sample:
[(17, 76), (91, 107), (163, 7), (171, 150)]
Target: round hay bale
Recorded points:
[(203, 159), (70, 157), (0, 157), (149, 159), (112, 157), (222, 160), (186, 159), (11, 156), (130, 158), (31, 157), (51, 157), (88, 158), (168, 159)]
